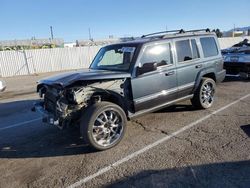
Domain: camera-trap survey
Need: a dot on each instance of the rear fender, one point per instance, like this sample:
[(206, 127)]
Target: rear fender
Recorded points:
[(201, 74)]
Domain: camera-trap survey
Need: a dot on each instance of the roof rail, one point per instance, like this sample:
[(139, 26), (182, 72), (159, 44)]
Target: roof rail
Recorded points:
[(175, 32)]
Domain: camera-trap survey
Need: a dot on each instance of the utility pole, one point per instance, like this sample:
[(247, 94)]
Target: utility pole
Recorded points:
[(234, 31), (51, 33), (166, 28), (90, 37)]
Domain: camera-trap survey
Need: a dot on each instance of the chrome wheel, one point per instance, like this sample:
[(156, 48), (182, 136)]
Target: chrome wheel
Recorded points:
[(107, 128), (207, 94), (204, 95)]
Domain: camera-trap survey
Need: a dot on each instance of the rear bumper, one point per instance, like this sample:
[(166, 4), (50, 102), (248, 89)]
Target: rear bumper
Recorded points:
[(221, 76), (48, 118), (237, 67)]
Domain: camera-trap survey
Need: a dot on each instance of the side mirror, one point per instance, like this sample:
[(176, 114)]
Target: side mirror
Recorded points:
[(146, 67)]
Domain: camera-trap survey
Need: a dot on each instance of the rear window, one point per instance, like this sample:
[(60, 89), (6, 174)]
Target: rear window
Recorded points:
[(209, 47)]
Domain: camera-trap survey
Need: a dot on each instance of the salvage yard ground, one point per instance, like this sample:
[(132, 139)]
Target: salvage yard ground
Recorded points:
[(175, 147)]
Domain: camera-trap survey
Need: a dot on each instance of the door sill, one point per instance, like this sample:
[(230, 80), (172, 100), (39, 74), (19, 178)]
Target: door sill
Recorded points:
[(156, 108)]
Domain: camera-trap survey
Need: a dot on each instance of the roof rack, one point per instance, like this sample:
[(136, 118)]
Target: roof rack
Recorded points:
[(175, 32)]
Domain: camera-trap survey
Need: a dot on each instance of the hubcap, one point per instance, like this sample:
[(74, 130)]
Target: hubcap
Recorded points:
[(107, 128), (207, 94)]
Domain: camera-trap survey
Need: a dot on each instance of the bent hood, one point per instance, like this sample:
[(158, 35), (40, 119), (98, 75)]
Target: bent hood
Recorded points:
[(66, 79)]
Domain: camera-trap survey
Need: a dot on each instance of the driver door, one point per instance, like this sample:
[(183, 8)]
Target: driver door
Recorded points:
[(155, 88)]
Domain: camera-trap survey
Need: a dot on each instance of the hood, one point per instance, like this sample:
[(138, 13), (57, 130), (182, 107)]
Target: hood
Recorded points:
[(66, 79)]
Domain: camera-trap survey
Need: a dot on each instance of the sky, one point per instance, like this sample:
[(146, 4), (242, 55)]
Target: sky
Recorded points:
[(71, 19)]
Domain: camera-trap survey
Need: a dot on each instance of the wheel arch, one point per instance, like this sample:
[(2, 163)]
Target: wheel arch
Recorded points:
[(111, 96), (207, 73)]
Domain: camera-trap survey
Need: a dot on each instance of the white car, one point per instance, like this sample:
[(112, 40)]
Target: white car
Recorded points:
[(2, 85)]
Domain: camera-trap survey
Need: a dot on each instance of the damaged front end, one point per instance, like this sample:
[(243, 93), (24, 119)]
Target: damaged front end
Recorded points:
[(63, 106)]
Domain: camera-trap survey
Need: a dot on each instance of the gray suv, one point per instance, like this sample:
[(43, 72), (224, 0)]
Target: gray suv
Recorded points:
[(132, 78)]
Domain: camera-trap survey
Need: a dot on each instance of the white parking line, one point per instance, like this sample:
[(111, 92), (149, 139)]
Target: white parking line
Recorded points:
[(20, 124), (148, 147)]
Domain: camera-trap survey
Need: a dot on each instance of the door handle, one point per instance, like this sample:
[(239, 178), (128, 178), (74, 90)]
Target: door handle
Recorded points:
[(169, 73), (198, 66)]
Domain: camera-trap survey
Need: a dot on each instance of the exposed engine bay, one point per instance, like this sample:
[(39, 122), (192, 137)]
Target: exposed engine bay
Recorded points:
[(63, 106)]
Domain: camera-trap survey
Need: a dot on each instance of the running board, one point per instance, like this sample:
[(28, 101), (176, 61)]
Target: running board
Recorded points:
[(142, 112)]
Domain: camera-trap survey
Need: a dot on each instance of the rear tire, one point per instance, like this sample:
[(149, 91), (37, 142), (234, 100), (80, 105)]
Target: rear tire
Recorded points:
[(103, 125), (204, 95)]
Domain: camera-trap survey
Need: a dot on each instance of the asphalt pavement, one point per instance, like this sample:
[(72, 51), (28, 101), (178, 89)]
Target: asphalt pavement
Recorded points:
[(176, 147)]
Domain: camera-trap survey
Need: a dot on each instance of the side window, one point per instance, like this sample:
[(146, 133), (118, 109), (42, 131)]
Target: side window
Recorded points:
[(160, 54), (195, 49), (209, 47), (183, 50)]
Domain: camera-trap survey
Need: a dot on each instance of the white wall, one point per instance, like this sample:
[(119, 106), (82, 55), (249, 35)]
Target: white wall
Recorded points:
[(230, 41), (15, 63)]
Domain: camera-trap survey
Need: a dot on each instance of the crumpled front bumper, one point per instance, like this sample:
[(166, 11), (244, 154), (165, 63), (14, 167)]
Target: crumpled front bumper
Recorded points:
[(48, 118)]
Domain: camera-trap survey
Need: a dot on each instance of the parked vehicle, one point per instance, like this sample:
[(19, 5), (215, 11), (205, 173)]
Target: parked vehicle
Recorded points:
[(2, 85), (129, 79), (237, 59)]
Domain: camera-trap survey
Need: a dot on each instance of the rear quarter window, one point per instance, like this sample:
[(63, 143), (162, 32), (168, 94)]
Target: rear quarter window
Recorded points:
[(209, 46)]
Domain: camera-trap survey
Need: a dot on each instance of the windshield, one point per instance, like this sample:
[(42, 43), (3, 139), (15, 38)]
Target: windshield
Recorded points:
[(114, 57)]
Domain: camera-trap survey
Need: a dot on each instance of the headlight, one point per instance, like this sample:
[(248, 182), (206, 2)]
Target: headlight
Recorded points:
[(2, 86)]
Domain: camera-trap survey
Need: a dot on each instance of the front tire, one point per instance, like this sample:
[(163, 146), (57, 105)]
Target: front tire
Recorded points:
[(204, 95), (103, 125)]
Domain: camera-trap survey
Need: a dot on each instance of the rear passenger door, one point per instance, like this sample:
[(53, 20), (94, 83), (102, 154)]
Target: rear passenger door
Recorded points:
[(155, 88), (188, 64)]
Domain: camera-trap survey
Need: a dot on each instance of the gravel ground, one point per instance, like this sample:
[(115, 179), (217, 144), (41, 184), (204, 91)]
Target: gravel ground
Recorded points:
[(211, 153)]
